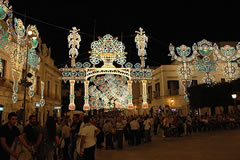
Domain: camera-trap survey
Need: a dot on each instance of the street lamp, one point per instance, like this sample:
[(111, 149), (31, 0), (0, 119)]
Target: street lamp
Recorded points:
[(172, 101), (234, 96), (25, 75)]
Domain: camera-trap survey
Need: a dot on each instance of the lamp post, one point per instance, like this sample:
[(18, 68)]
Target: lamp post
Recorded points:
[(26, 75), (25, 83), (172, 101), (234, 96), (20, 41)]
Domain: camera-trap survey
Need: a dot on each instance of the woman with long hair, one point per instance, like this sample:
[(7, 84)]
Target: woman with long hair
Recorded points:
[(50, 138)]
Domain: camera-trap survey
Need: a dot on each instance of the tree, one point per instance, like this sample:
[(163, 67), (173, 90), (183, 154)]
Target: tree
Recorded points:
[(204, 95)]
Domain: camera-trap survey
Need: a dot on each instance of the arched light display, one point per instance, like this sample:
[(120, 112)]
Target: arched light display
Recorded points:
[(107, 86)]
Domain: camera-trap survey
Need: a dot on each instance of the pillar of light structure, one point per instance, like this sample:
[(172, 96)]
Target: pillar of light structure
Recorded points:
[(144, 94), (42, 101), (72, 95), (86, 106), (130, 96)]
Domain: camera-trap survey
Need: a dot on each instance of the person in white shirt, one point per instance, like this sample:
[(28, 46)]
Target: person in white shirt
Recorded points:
[(147, 129), (78, 143), (88, 139), (134, 131)]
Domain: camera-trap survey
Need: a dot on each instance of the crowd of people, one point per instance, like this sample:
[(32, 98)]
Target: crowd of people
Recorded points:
[(77, 138)]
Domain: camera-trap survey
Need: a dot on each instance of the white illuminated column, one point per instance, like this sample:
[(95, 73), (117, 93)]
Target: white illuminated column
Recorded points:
[(130, 104), (71, 96), (144, 94), (86, 106), (42, 101)]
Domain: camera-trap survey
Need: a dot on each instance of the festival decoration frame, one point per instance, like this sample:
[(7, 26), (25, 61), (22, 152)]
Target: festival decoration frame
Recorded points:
[(108, 50)]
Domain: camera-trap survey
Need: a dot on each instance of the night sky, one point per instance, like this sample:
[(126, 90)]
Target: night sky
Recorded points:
[(164, 23)]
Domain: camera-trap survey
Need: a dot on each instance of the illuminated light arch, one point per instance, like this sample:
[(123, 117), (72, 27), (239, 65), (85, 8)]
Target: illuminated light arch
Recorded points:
[(108, 50)]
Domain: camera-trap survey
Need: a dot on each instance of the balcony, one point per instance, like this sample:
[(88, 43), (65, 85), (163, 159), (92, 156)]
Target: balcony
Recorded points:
[(173, 92)]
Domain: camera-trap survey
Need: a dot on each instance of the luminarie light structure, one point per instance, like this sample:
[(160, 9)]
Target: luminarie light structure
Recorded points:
[(42, 101), (228, 55), (206, 64), (108, 50), (185, 69), (141, 43), (107, 85), (16, 41), (74, 40)]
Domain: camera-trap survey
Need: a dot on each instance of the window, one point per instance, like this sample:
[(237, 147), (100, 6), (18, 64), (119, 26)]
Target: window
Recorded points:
[(56, 86), (2, 68), (173, 87), (150, 92), (48, 88), (194, 83), (38, 89), (157, 90)]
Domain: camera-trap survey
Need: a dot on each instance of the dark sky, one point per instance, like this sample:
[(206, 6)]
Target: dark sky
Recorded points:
[(164, 23)]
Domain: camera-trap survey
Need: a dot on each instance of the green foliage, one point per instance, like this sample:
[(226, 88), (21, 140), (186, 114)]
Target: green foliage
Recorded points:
[(220, 94)]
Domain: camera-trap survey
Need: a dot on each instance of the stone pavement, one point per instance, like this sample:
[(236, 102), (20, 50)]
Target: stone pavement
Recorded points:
[(212, 145)]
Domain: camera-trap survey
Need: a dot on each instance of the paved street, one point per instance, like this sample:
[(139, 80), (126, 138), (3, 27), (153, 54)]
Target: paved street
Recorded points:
[(215, 145)]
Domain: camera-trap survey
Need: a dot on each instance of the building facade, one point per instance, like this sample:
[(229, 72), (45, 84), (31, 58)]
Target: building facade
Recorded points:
[(48, 73), (165, 89)]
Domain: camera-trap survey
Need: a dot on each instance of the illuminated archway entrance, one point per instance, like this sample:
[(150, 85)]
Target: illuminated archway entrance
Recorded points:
[(107, 84)]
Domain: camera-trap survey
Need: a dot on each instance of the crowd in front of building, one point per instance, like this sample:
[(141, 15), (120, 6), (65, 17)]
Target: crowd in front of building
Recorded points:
[(77, 137)]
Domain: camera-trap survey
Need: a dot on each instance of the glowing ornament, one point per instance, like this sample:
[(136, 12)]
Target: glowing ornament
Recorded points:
[(16, 42), (86, 106), (42, 101), (72, 95), (33, 80), (184, 69), (141, 43), (108, 50), (228, 56), (144, 94), (74, 40), (205, 64)]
